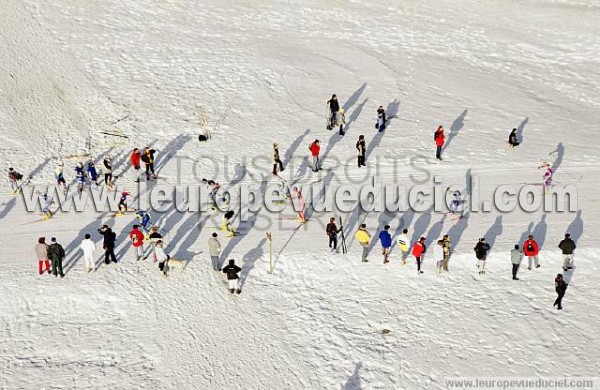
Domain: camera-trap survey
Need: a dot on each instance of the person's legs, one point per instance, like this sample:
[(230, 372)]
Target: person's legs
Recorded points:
[(215, 262), (418, 264), (529, 262), (515, 268), (445, 263), (59, 266), (536, 262), (113, 258), (364, 252), (54, 262), (438, 152)]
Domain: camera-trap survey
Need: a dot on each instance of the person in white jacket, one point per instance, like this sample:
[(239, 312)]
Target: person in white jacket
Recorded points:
[(214, 250), (88, 247), (438, 253), (404, 244), (161, 257)]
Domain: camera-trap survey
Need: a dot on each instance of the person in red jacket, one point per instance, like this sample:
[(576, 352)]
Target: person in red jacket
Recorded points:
[(418, 251), (137, 240), (315, 148), (136, 162), (439, 138), (531, 250)]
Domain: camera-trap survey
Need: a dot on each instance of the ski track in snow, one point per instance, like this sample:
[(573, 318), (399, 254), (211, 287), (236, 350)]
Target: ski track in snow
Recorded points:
[(263, 71)]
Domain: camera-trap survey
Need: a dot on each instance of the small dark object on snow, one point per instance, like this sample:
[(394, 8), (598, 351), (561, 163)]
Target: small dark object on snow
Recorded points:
[(385, 331)]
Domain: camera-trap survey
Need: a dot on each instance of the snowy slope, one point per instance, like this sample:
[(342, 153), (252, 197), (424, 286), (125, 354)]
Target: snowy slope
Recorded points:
[(262, 71)]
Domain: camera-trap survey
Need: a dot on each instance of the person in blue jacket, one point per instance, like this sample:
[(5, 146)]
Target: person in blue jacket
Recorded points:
[(144, 218), (92, 172), (386, 243)]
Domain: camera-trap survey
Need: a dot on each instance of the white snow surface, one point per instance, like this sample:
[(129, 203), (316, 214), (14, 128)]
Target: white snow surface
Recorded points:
[(263, 70)]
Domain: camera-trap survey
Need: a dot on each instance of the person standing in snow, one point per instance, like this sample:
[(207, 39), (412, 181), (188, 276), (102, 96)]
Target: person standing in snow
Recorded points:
[(547, 178), (123, 203), (364, 238), (108, 244), (516, 256), (567, 246), (439, 139), (144, 219), (214, 250), (438, 254), (332, 232), (341, 120), (161, 257), (80, 175), (92, 173), (386, 243), (455, 204), (361, 150), (404, 244), (154, 237), (148, 160), (300, 205), (41, 251), (137, 241), (276, 160), (232, 271), (56, 253), (334, 107), (561, 288), (14, 179), (481, 251), (48, 202), (447, 251), (315, 148), (531, 250), (60, 177), (136, 162), (418, 252), (381, 119), (88, 247), (108, 177), (512, 138), (227, 223)]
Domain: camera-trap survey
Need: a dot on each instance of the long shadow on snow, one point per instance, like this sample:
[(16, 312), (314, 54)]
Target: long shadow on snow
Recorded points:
[(520, 130), (456, 231), (575, 229), (457, 125), (540, 231), (436, 230), (250, 259), (525, 235), (494, 232), (321, 196), (353, 382), (421, 225), (8, 206), (560, 153)]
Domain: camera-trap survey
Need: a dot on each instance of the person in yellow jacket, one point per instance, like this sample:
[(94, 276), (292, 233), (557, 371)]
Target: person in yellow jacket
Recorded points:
[(364, 238)]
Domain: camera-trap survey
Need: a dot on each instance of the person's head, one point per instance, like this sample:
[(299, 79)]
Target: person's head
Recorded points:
[(136, 150), (42, 240), (514, 130), (154, 229), (135, 227), (440, 128), (531, 236), (567, 235), (231, 262), (341, 111), (87, 236), (363, 226), (422, 239), (10, 169), (440, 242), (215, 235), (317, 141), (482, 239), (446, 237), (381, 107), (387, 227), (53, 239), (275, 145), (559, 277), (405, 231), (517, 246), (332, 219), (361, 137), (159, 243), (334, 96)]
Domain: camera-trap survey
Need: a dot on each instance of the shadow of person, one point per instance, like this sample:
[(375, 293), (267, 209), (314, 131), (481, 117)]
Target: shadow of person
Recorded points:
[(520, 130), (457, 125), (353, 382), (250, 259), (539, 232), (575, 229), (494, 232)]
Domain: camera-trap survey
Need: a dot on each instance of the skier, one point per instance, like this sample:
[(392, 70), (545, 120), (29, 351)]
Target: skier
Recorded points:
[(332, 232), (512, 138), (89, 247), (108, 177), (315, 148), (135, 160), (386, 243), (148, 160), (438, 254), (92, 173), (361, 150), (226, 224), (364, 238), (161, 257), (109, 244), (300, 205), (41, 250), (341, 120), (48, 202), (481, 250), (137, 240), (561, 288), (56, 253), (14, 178), (80, 175), (455, 204), (60, 177), (439, 139), (516, 256), (232, 271), (144, 218), (214, 191), (123, 203), (418, 252), (404, 244), (567, 246), (334, 107), (531, 250), (276, 160), (447, 246), (381, 120), (214, 250), (547, 178)]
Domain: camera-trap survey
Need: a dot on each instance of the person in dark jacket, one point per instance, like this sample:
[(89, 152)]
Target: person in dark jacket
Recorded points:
[(334, 107), (232, 271), (481, 250), (381, 119), (56, 254), (561, 288), (108, 177), (332, 232), (512, 138), (109, 244), (148, 160), (568, 247), (361, 150)]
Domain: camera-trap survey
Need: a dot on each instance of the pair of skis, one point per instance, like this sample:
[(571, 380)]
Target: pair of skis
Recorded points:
[(344, 248)]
